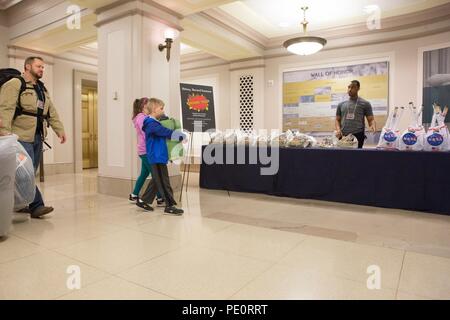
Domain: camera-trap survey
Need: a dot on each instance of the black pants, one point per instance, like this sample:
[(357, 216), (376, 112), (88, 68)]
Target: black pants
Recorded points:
[(160, 183), (361, 137)]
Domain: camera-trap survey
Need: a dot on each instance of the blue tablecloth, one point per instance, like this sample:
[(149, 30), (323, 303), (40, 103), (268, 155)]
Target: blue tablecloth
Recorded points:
[(417, 181)]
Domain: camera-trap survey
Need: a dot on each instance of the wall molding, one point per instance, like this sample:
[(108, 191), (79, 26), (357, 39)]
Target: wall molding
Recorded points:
[(45, 54), (204, 67), (249, 67), (149, 2), (139, 12)]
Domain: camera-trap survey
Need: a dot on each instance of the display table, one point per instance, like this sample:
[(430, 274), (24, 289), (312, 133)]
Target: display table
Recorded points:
[(418, 181)]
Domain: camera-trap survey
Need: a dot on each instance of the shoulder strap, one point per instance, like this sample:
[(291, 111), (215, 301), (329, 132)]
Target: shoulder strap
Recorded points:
[(23, 87)]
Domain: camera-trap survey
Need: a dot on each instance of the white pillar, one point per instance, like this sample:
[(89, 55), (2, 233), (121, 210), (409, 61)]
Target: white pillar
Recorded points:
[(131, 66)]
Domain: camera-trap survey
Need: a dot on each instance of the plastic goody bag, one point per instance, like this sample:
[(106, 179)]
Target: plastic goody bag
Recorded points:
[(346, 142), (25, 185), (413, 137), (390, 135), (7, 177), (301, 140), (437, 137)]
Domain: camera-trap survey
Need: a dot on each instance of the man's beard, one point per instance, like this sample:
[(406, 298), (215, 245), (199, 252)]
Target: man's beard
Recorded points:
[(35, 75)]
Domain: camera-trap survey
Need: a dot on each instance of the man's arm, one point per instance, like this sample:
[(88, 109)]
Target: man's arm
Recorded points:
[(372, 124), (9, 94), (337, 122), (56, 123), (370, 117)]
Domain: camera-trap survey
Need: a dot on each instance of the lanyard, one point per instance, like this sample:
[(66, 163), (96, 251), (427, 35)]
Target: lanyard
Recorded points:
[(349, 116), (354, 109)]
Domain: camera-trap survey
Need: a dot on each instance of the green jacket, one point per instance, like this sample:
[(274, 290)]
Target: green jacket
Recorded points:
[(24, 126), (173, 124)]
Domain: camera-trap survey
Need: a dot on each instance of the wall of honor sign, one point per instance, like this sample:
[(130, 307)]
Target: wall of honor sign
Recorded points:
[(310, 97), (197, 106)]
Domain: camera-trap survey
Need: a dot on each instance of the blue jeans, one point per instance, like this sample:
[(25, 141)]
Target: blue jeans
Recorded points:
[(34, 150)]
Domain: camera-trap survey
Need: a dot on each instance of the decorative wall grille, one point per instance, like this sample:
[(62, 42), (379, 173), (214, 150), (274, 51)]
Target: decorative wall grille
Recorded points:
[(246, 105)]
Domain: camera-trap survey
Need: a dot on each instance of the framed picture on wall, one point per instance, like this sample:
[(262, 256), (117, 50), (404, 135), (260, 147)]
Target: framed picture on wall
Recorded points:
[(436, 82)]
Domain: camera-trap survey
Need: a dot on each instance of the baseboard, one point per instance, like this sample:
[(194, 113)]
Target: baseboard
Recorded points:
[(58, 168), (119, 187), (193, 168)]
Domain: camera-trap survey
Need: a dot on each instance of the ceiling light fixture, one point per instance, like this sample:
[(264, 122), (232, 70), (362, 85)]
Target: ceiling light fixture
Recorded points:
[(305, 45)]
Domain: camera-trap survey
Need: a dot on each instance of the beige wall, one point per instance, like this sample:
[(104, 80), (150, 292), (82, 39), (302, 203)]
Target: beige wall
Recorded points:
[(3, 47)]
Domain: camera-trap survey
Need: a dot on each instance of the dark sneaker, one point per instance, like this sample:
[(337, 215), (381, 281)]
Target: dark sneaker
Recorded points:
[(24, 210), (133, 198), (160, 202), (174, 210), (41, 211), (143, 205)]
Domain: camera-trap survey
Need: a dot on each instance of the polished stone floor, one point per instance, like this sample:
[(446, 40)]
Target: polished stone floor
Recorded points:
[(226, 246)]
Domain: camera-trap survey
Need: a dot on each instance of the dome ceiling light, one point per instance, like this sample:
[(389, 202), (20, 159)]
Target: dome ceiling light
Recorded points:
[(305, 45)]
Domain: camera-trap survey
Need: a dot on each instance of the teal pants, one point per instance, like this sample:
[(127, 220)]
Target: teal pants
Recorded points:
[(146, 170)]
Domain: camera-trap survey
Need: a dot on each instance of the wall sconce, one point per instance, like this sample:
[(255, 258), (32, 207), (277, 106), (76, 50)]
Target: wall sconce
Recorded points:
[(169, 35)]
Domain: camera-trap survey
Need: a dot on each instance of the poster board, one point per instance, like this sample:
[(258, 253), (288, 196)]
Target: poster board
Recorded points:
[(197, 107), (311, 97)]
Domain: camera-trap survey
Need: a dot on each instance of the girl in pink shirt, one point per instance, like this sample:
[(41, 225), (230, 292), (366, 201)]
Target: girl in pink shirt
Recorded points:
[(140, 112)]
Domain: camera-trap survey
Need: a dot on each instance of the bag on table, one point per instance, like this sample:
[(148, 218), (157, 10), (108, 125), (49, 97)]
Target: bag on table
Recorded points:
[(390, 135), (437, 137), (413, 137)]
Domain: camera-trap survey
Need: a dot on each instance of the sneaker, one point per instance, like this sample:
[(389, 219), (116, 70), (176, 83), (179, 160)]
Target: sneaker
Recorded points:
[(143, 205), (173, 210), (41, 211), (160, 202), (133, 198), (24, 210)]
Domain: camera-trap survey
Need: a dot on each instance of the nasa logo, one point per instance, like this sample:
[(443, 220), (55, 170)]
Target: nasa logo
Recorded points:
[(409, 139), (390, 136), (435, 139)]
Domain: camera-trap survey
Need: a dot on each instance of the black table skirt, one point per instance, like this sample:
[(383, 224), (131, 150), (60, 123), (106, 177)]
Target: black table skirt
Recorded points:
[(418, 181)]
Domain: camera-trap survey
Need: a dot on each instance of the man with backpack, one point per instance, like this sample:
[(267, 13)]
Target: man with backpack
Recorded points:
[(27, 111)]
